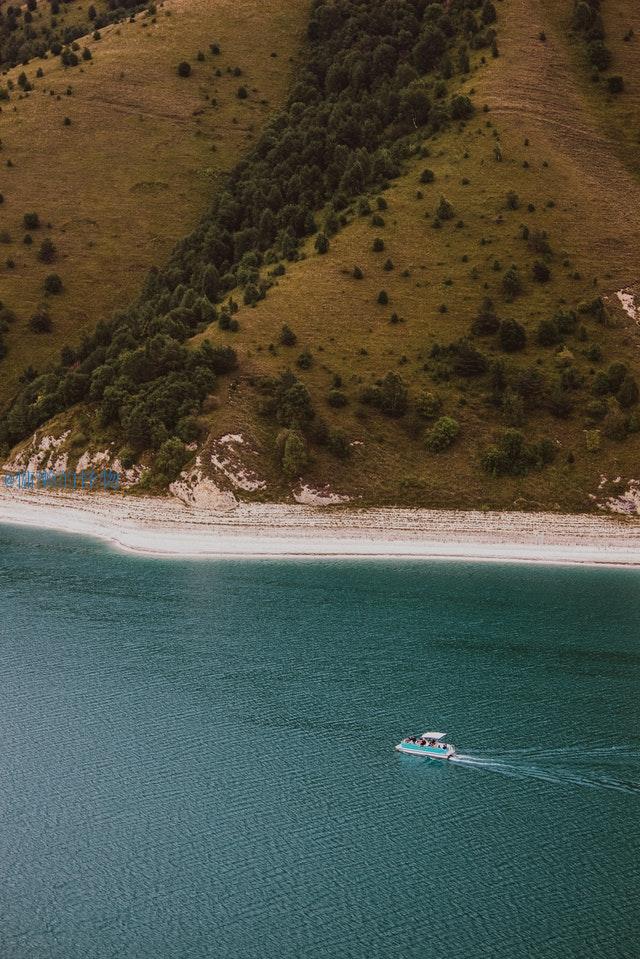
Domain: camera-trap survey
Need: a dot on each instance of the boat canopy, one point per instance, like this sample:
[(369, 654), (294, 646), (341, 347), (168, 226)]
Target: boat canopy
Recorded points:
[(433, 736)]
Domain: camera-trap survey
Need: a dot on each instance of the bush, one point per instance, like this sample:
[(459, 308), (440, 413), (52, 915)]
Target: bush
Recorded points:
[(445, 210), (170, 458), (427, 176), (243, 93), (467, 361), (31, 221), (47, 252), (461, 108), (548, 333), (40, 322), (53, 283), (428, 405), (287, 336), (442, 435), (378, 245), (390, 396), (184, 69), (292, 448), (513, 200), (486, 322), (628, 393), (615, 427), (540, 272), (337, 399), (512, 456), (383, 297), (322, 243), (615, 84), (513, 336), (511, 283)]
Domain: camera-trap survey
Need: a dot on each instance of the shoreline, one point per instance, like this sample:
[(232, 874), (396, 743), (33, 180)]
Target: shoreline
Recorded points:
[(167, 528)]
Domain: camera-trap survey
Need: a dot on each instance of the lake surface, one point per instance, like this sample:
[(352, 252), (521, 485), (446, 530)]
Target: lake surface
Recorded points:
[(196, 758)]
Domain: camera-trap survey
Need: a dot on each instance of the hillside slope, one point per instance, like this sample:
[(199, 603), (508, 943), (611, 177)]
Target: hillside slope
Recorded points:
[(135, 169), (453, 334)]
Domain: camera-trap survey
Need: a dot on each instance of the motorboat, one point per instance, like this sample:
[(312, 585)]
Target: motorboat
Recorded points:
[(429, 746)]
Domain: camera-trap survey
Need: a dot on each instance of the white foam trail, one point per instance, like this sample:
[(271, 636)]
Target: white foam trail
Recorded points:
[(555, 775)]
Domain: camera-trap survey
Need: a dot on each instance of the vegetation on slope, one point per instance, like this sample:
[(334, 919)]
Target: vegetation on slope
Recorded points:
[(111, 160), (418, 291)]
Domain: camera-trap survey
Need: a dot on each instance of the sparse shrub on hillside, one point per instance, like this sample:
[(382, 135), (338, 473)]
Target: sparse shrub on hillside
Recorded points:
[(461, 108), (486, 322), (513, 200), (540, 272), (53, 283), (383, 298), (47, 251), (511, 283), (427, 176), (442, 434), (378, 245), (390, 395), (242, 93), (322, 243), (615, 84), (337, 398), (40, 322), (445, 210), (615, 426), (305, 360), (628, 394), (511, 455), (548, 333), (292, 450), (428, 405), (467, 360), (512, 335), (287, 336), (31, 221), (599, 55), (357, 273), (184, 69)]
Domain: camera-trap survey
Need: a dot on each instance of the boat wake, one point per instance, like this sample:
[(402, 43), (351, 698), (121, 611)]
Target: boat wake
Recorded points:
[(565, 766)]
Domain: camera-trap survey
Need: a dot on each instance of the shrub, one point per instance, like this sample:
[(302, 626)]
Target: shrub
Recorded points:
[(615, 84), (287, 336), (511, 283), (427, 176), (428, 405), (378, 245), (31, 221), (305, 360), (338, 443), (628, 393), (47, 252), (292, 448), (53, 283), (445, 210), (461, 107), (322, 243), (540, 272), (40, 322), (548, 333), (593, 440), (357, 273), (184, 69), (513, 200), (442, 435), (486, 322), (615, 426), (242, 93), (512, 456), (467, 361), (383, 297), (390, 395), (337, 399), (170, 458), (513, 336)]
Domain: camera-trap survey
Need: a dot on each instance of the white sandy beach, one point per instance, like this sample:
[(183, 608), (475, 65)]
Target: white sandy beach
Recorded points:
[(168, 527)]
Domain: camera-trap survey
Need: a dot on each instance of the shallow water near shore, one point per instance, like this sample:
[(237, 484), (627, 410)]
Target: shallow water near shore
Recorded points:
[(196, 758)]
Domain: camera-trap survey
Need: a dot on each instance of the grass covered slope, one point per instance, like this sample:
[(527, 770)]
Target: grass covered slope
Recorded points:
[(119, 156), (412, 279)]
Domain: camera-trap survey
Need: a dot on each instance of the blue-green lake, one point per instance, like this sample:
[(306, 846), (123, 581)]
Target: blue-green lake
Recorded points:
[(196, 758)]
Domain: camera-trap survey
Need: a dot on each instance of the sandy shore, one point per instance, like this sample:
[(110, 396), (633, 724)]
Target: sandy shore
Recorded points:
[(167, 527)]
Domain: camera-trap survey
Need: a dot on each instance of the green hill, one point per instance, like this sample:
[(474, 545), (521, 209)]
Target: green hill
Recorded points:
[(407, 290)]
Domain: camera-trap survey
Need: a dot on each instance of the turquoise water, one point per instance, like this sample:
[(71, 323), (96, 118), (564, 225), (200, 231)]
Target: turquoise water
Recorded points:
[(196, 758)]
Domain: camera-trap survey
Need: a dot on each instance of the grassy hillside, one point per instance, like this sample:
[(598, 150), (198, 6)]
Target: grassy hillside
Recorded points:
[(138, 163), (453, 335)]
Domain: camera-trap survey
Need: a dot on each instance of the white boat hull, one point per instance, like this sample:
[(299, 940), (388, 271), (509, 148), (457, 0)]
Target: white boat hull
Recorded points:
[(425, 752)]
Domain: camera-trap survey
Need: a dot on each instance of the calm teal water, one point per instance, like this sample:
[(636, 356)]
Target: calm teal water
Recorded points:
[(196, 758)]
